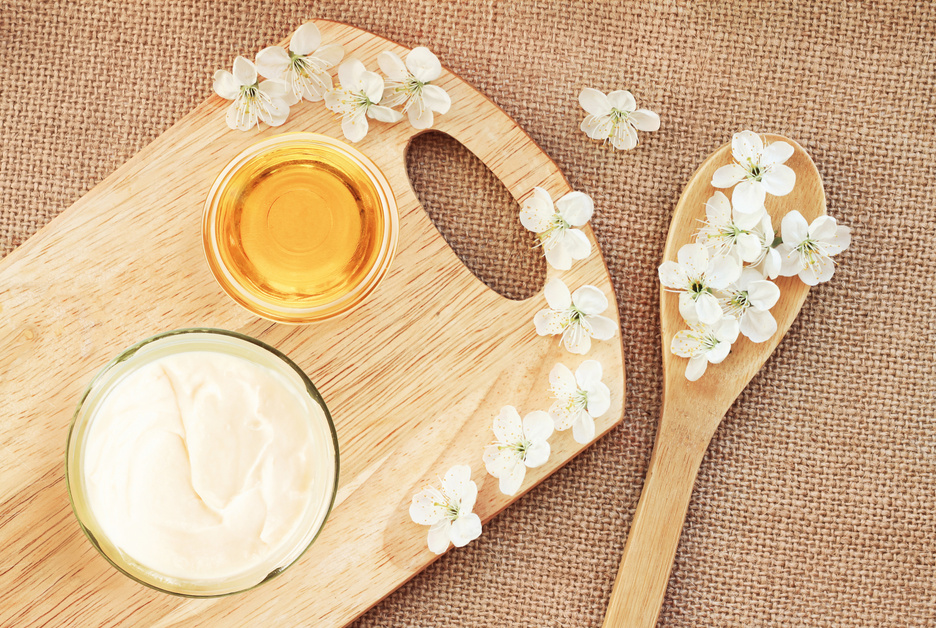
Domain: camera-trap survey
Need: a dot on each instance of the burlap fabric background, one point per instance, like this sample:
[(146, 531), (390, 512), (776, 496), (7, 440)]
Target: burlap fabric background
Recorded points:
[(816, 505)]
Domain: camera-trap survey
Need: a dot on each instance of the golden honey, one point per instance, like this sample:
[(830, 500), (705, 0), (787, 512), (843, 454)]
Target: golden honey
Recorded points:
[(299, 228)]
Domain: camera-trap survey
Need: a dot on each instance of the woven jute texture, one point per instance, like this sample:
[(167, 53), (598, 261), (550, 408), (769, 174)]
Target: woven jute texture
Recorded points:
[(816, 503)]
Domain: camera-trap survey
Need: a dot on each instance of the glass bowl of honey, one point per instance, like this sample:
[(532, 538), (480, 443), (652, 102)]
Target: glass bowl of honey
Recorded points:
[(300, 227)]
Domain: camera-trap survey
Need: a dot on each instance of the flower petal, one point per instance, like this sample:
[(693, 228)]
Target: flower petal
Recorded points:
[(550, 322), (624, 137), (758, 326), (839, 242), (576, 340), (557, 295), (439, 536), (508, 427), (469, 497), (350, 73), (771, 264), (306, 39), (576, 208), (644, 120), (708, 309), (594, 102), (558, 256), (822, 228), (727, 330), (718, 353), (601, 327), (779, 180), (588, 374), (426, 507), (590, 300), (372, 84), (794, 228), (245, 72), (746, 147), (420, 117), (537, 211), (225, 86), (672, 275), (423, 64), (722, 271), (577, 243), (456, 482), (597, 127), (498, 459), (599, 399), (622, 100), (274, 88), (276, 112), (583, 430), (511, 482), (748, 196), (354, 127), (727, 176), (563, 414), (818, 273), (750, 220), (776, 153), (538, 453), (537, 426), (385, 114), (685, 343), (696, 367), (718, 210), (328, 56), (763, 295), (749, 247), (465, 529), (436, 99), (694, 259), (392, 65), (562, 382), (790, 260)]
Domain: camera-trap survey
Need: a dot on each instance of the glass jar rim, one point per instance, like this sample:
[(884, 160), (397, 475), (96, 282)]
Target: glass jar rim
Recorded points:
[(301, 315), (73, 471)]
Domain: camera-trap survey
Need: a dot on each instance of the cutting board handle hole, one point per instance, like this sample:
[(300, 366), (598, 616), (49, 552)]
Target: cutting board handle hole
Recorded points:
[(476, 215)]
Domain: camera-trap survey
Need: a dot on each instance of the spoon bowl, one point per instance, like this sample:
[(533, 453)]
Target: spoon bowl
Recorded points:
[(692, 411)]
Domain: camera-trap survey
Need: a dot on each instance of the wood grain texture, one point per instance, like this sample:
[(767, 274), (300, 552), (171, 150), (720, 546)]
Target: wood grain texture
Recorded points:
[(413, 378), (692, 411)]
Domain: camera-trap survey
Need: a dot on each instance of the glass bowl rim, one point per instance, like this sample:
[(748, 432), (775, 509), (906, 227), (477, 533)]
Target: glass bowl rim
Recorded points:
[(128, 353), (359, 293)]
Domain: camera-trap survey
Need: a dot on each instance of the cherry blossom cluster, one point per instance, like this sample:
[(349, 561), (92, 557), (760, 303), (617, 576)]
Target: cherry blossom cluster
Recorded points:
[(725, 278), (302, 73), (579, 397)]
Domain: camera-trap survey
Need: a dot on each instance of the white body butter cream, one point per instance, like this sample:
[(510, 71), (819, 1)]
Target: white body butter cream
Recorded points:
[(200, 465)]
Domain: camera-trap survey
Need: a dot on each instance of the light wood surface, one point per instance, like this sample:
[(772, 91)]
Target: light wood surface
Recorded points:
[(692, 411), (413, 378)]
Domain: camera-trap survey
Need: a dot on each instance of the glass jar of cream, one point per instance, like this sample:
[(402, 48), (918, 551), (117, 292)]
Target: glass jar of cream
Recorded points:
[(201, 462)]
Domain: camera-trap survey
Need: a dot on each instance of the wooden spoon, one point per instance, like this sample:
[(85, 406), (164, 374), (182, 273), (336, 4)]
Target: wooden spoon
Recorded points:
[(691, 411)]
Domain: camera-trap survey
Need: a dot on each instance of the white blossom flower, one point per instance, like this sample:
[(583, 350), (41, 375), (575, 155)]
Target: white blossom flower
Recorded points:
[(253, 100), (576, 316), (704, 343), (730, 232), (749, 300), (768, 260), (807, 249), (554, 225), (410, 83), (615, 116), (448, 511), (759, 171), (580, 399), (304, 68), (519, 444), (358, 99), (696, 276)]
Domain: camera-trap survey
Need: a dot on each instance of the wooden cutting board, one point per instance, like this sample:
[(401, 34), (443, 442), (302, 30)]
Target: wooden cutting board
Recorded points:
[(413, 378)]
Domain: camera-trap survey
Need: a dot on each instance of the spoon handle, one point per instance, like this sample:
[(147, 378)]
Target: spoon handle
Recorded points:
[(651, 546)]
